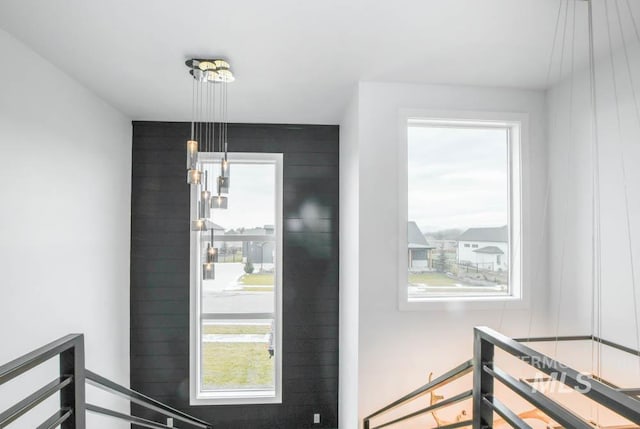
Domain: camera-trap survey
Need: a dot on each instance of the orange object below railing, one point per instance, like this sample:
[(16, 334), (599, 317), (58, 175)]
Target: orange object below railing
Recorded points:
[(443, 380)]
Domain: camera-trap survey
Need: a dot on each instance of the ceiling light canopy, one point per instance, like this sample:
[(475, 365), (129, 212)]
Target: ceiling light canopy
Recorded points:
[(210, 70)]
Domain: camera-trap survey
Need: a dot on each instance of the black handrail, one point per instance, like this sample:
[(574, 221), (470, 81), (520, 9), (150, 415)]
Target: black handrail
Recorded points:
[(455, 425), (138, 421), (142, 400), (30, 360), (581, 338), (22, 407), (621, 401), (485, 342), (457, 372), (56, 419), (71, 385), (503, 411), (554, 410), (430, 409)]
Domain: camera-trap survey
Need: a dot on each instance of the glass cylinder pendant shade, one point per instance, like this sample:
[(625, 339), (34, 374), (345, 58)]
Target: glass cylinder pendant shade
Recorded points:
[(219, 202), (208, 271), (205, 204), (223, 185), (212, 254), (224, 168), (194, 177), (192, 154), (199, 225)]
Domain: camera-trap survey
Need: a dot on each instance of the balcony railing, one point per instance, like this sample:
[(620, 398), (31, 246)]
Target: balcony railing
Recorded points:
[(621, 401), (443, 380), (70, 383)]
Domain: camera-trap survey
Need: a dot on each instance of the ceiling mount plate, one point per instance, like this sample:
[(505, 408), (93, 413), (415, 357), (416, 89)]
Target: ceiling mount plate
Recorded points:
[(210, 70)]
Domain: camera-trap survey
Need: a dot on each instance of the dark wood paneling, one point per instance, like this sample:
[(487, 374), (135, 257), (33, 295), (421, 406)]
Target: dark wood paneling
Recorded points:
[(160, 272)]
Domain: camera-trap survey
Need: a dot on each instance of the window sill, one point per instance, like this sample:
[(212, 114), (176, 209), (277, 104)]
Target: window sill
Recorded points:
[(237, 398), (463, 303)]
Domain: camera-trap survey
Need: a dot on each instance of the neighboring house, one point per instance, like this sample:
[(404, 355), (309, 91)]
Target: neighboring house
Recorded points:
[(259, 252), (420, 257), (485, 248), (256, 251)]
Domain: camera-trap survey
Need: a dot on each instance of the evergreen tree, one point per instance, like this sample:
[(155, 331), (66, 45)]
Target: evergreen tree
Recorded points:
[(442, 260)]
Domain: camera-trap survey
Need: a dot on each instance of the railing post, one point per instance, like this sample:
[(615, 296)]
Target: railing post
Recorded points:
[(483, 352), (72, 397), (366, 424)]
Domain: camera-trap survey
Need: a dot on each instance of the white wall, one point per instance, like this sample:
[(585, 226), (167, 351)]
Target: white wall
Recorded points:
[(397, 350), (570, 221), (349, 267), (65, 168)]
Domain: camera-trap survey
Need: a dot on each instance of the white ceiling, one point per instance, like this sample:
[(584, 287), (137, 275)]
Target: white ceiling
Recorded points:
[(296, 61)]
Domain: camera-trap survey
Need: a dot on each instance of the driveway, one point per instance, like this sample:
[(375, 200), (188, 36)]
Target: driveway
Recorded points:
[(224, 295)]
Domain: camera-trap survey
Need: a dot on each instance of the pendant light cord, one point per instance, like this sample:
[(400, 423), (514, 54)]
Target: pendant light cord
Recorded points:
[(623, 167), (226, 114), (200, 109), (213, 118), (548, 187), (564, 236), (221, 120), (636, 102), (193, 106), (195, 117), (569, 166), (205, 114), (195, 114), (596, 289)]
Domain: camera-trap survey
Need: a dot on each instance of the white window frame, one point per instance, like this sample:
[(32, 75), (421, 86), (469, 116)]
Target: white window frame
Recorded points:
[(517, 125), (196, 395)]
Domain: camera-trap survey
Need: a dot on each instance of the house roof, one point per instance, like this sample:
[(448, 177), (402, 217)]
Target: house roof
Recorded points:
[(214, 226), (490, 250), (416, 238), (498, 234), (258, 231)]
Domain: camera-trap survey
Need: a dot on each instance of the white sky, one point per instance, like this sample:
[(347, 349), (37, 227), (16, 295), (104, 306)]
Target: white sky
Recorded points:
[(457, 177), (251, 197)]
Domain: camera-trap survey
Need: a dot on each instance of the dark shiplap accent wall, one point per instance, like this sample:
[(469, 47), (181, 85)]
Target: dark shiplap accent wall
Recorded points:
[(160, 272)]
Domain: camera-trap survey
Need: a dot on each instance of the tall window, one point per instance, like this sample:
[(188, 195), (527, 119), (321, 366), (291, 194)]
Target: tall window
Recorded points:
[(463, 210), (236, 319)]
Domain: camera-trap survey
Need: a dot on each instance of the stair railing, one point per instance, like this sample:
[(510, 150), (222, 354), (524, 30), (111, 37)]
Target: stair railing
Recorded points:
[(71, 385), (622, 401), (486, 372), (443, 380)]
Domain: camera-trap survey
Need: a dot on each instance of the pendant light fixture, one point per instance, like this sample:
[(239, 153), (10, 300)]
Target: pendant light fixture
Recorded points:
[(208, 112), (208, 268)]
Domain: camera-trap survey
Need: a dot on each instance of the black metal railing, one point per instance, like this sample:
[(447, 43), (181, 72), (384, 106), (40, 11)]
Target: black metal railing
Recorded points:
[(622, 401), (71, 385), (141, 400), (486, 372), (443, 380)]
